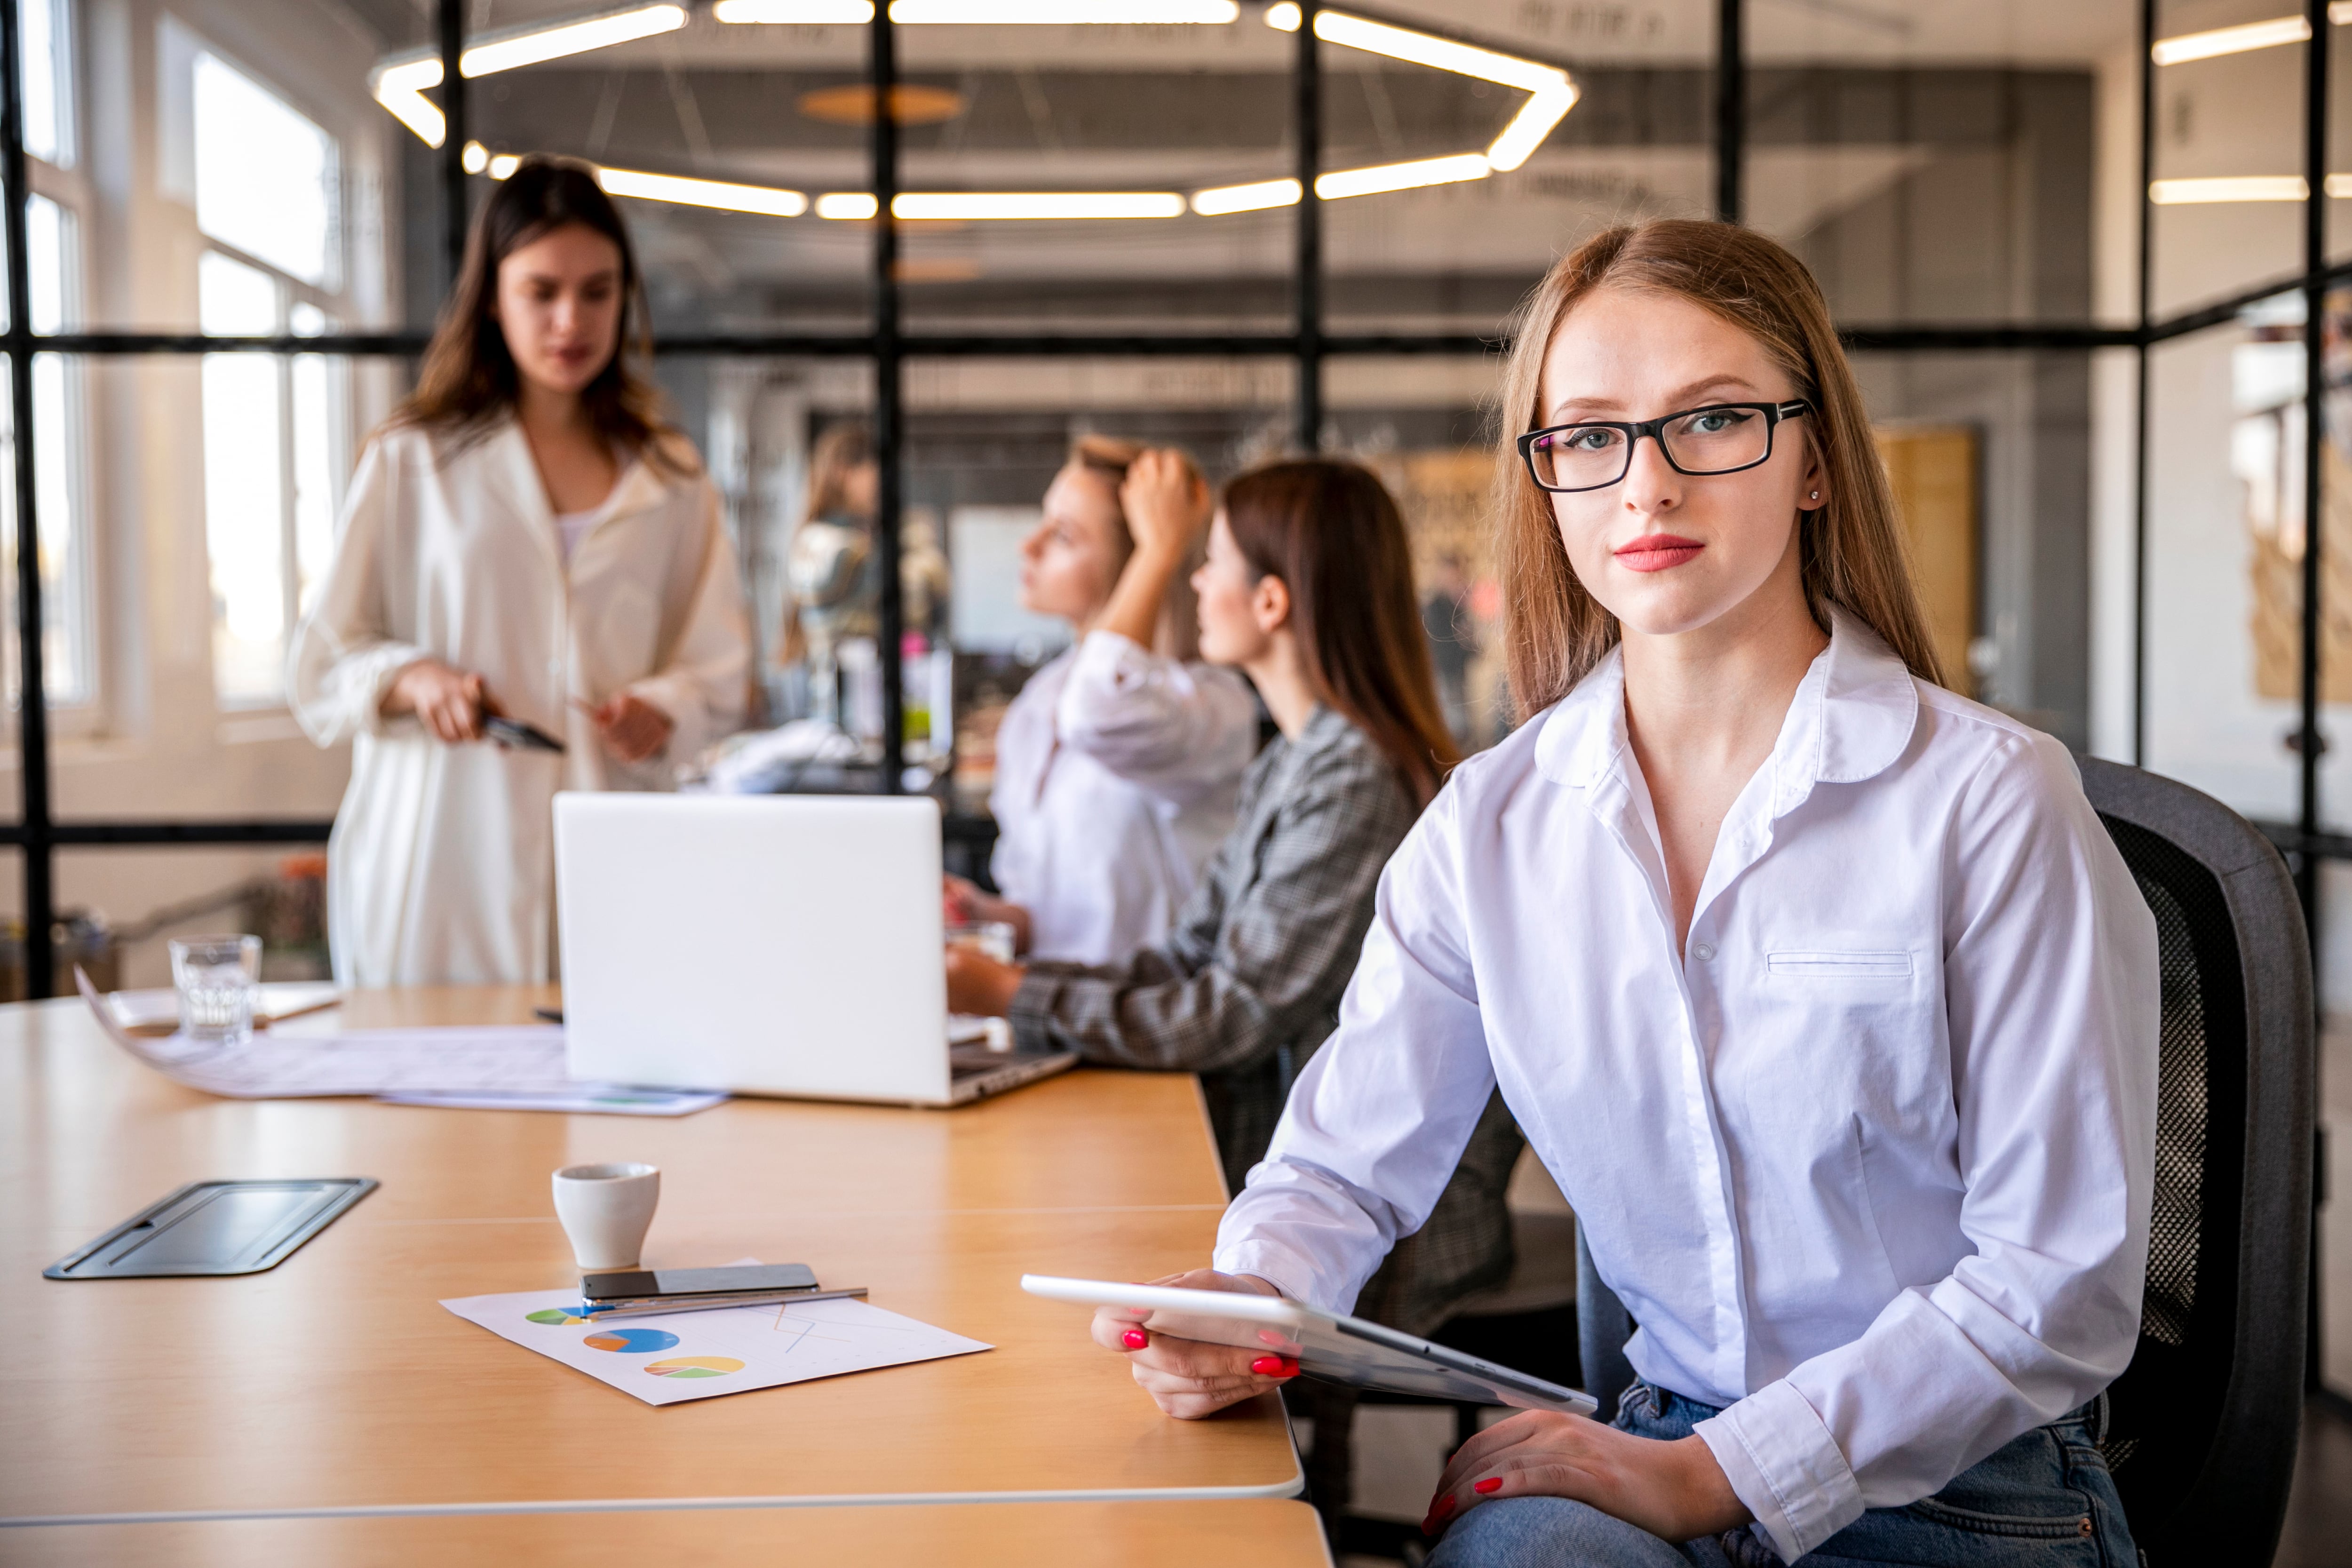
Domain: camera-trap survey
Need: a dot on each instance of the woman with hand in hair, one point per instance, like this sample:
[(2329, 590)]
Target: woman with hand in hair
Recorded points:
[(528, 540), (1117, 765), (1821, 991)]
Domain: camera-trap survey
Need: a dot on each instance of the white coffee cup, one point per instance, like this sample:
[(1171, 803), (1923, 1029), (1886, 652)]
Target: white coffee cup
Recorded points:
[(606, 1210)]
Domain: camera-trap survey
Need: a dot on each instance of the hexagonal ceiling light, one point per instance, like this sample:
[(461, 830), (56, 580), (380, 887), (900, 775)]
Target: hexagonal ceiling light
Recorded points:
[(399, 80)]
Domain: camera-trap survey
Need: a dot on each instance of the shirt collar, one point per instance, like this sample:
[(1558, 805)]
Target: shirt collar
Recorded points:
[(1851, 719)]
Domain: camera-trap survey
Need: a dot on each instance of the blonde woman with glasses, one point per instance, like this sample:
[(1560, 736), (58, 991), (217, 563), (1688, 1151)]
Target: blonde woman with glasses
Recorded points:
[(1819, 989)]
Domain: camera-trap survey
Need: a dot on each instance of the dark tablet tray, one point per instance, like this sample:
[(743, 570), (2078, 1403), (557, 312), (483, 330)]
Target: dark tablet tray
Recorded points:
[(215, 1227)]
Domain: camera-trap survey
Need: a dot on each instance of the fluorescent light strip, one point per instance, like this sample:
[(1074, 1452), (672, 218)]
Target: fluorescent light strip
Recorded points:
[(496, 54), (2229, 188), (766, 200), (2245, 37), (1531, 124), (1065, 12), (1424, 49), (802, 13), (981, 13), (769, 201), (1249, 198), (399, 84), (1338, 184), (954, 206), (395, 87), (1341, 183)]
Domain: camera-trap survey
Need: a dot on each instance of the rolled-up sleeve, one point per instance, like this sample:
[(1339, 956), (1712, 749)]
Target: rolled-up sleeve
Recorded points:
[(1177, 729), (2051, 989), (344, 656), (1378, 1120), (1278, 942)]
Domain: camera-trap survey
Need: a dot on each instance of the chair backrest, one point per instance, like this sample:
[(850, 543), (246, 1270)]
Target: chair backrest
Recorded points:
[(2202, 1425)]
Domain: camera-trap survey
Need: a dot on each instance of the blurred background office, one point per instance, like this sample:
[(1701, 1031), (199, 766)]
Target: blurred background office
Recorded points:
[(2025, 214)]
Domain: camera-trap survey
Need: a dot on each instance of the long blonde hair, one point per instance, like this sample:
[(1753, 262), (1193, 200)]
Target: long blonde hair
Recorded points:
[(1851, 550)]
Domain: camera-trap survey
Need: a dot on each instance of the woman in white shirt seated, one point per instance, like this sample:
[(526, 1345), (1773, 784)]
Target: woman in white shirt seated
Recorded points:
[(1119, 765), (528, 538), (1820, 990)]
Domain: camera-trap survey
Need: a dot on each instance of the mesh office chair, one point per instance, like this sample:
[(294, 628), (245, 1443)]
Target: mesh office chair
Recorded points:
[(2202, 1425)]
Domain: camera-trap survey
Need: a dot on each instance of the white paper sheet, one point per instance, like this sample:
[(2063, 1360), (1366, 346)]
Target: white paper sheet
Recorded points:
[(512, 1067), (677, 1356), (587, 1099), (161, 1005)]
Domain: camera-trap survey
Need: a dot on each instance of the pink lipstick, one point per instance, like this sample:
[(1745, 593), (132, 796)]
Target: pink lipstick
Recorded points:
[(1656, 551)]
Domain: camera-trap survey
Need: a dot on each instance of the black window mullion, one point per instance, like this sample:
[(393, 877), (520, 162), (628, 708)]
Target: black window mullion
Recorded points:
[(889, 404), (32, 695)]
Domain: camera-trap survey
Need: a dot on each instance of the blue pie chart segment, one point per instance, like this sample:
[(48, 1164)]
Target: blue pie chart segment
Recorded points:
[(630, 1342)]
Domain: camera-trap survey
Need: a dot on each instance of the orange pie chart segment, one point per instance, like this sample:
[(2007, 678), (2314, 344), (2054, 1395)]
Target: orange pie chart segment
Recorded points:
[(695, 1366)]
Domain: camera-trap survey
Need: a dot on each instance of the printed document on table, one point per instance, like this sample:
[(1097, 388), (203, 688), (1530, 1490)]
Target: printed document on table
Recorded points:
[(512, 1067), (677, 1356)]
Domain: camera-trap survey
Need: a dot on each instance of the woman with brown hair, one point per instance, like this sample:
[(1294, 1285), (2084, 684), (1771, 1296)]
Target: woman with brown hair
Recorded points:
[(1118, 764), (1307, 589), (1820, 990), (530, 554)]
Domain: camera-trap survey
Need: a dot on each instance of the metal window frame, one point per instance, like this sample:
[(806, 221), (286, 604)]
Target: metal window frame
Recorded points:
[(38, 833)]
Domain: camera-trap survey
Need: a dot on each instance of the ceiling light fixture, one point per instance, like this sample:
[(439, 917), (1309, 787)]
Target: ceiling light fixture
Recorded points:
[(2228, 188), (2244, 37), (1019, 13), (965, 206), (1254, 197), (768, 201), (1340, 184), (806, 13), (400, 80), (982, 13), (1552, 91)]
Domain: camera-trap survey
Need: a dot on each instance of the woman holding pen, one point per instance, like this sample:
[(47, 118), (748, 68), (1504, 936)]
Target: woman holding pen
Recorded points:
[(1820, 990), (527, 541)]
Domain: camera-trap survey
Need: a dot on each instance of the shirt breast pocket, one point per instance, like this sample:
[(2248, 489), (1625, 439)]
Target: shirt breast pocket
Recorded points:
[(1817, 965)]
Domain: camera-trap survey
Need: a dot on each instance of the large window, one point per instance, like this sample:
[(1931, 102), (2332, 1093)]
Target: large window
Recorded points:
[(266, 191), (53, 256)]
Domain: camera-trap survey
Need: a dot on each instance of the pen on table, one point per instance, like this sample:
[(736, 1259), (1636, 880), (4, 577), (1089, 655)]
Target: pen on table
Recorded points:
[(653, 1309)]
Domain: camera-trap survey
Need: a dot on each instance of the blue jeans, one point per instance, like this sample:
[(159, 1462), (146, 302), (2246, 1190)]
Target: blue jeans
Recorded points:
[(2045, 1500)]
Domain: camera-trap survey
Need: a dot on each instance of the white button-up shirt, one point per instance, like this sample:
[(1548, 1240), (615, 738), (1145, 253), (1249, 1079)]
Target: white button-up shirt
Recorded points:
[(1869, 1160), (1117, 773)]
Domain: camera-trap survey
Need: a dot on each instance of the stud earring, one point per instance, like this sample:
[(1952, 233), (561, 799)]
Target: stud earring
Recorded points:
[(1816, 495)]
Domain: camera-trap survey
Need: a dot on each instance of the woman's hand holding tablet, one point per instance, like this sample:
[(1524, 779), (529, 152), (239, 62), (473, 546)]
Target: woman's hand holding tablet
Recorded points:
[(1190, 1378)]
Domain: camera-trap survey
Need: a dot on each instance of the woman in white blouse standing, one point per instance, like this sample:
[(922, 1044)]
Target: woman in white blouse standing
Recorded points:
[(1820, 990), (1119, 763), (527, 539)]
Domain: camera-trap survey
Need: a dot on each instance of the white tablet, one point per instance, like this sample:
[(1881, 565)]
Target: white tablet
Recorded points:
[(1330, 1344)]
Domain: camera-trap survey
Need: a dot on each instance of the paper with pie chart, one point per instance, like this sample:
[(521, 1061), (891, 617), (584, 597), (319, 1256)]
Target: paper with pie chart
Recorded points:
[(680, 1356)]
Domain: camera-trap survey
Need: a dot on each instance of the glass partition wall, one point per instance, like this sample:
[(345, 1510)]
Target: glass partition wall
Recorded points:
[(2086, 254)]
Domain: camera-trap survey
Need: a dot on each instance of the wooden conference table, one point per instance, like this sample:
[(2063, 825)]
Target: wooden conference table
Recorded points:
[(293, 1413)]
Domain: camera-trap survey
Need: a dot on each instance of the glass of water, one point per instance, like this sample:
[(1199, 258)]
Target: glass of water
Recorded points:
[(994, 938), (216, 977)]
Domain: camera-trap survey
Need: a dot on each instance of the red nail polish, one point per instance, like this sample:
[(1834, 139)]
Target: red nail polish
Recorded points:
[(1267, 1366), (1488, 1487), (1135, 1339), (1444, 1509)]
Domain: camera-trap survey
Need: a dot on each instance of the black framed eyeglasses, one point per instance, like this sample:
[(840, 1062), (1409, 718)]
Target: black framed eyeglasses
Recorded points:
[(1721, 438)]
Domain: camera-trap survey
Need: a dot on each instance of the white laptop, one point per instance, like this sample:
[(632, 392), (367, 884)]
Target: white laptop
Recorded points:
[(764, 944)]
